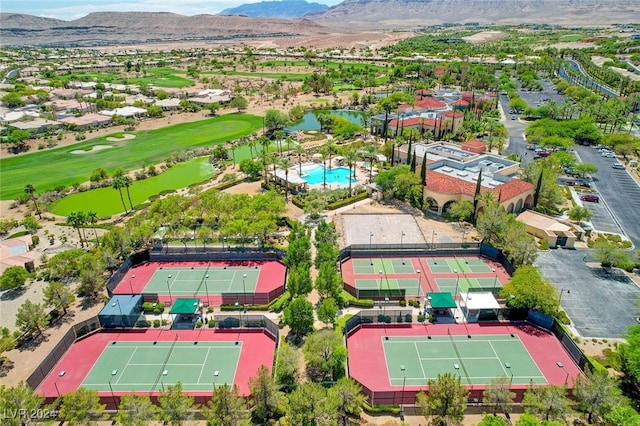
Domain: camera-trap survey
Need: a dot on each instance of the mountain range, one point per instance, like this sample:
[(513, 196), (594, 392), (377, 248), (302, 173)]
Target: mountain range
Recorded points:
[(108, 28), (285, 9)]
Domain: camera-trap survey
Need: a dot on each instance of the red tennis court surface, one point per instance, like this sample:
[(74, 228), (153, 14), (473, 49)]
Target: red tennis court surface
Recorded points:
[(258, 348), (368, 365), (427, 276), (269, 285)]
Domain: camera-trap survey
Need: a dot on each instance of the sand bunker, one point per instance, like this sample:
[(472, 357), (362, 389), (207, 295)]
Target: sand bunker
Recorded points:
[(124, 137), (93, 149)]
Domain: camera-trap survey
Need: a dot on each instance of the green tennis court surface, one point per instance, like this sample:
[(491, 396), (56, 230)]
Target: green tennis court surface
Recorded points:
[(387, 266), (448, 265), (479, 360), (139, 366), (388, 287), (465, 284), (200, 281)]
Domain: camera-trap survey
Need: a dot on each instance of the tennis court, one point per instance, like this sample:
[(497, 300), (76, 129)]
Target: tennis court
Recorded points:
[(450, 265), (200, 282), (388, 287), (388, 266), (465, 284), (477, 360), (151, 366)]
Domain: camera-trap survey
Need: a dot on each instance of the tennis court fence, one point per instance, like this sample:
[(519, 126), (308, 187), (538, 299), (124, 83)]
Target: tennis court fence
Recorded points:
[(378, 316), (75, 332), (252, 321)]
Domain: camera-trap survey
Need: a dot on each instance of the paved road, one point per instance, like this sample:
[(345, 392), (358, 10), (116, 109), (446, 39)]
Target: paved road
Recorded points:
[(517, 143), (600, 304), (618, 192)]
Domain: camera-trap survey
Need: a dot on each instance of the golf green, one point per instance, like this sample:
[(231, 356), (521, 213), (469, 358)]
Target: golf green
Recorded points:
[(60, 166), (106, 201)]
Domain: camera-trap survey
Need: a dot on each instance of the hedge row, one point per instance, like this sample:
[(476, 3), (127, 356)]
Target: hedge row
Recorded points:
[(151, 307), (297, 201), (229, 184), (350, 300), (347, 201), (374, 409)]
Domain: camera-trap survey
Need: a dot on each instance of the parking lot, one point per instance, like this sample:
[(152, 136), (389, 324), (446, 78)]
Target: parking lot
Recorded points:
[(602, 220), (619, 193), (600, 304)]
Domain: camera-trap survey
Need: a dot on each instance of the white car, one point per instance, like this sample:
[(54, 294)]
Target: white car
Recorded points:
[(608, 155)]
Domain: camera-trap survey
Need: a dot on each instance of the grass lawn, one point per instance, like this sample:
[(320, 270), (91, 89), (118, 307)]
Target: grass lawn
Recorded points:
[(161, 77), (272, 75), (48, 169), (106, 201)]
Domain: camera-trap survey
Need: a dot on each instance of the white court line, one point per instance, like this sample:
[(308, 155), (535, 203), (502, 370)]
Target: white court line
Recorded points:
[(499, 360), (169, 364), (135, 349), (415, 346), (204, 363)]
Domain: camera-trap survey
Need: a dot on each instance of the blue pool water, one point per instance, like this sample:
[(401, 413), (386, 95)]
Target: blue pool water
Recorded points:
[(335, 175)]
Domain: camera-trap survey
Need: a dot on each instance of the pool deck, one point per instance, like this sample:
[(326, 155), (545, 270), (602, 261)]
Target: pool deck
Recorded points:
[(361, 178)]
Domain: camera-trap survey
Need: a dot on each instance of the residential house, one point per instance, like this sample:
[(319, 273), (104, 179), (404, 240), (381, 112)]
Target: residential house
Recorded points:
[(17, 252)]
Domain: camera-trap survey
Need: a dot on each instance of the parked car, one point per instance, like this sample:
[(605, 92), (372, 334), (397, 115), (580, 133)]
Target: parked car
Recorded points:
[(513, 117), (531, 147), (582, 182), (608, 155), (593, 198), (618, 166)]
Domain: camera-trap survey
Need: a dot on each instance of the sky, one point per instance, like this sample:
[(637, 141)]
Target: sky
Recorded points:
[(69, 10)]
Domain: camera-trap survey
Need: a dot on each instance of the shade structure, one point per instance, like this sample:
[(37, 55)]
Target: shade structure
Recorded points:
[(185, 306), (441, 300)]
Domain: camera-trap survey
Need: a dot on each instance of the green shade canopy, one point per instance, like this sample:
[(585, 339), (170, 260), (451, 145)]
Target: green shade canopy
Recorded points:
[(442, 300), (185, 306)]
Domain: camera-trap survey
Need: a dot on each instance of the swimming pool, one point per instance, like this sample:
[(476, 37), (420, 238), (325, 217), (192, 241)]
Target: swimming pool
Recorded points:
[(335, 176)]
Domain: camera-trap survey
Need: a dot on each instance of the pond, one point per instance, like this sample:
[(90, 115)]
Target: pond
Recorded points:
[(310, 121)]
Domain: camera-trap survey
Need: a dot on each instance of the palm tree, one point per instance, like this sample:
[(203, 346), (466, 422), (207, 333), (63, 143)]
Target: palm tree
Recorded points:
[(92, 219), (264, 157), (279, 134), (330, 146), (285, 163), (299, 150), (324, 169), (126, 180), (73, 219), (31, 190), (118, 183), (350, 157), (370, 151), (265, 142), (252, 144)]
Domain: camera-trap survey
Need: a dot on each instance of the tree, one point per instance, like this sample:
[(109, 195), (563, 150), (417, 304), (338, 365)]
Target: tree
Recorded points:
[(446, 401), (175, 406), (580, 213), (81, 407), (12, 100), (76, 220), (64, 266), (250, 167), (119, 183), (266, 401), (91, 270), (136, 410), (327, 311), (308, 405), (328, 282), (461, 211), (127, 182), (529, 290), (298, 315), (287, 366), (299, 280), (630, 361), (548, 402), (58, 296), (13, 277), (31, 190), (31, 318), (286, 164), (31, 224), (17, 138), (607, 253), (349, 397), (498, 396), (226, 407), (92, 219), (597, 394), (622, 415), (489, 420), (275, 120), (585, 168), (238, 102), (325, 355), (18, 404)]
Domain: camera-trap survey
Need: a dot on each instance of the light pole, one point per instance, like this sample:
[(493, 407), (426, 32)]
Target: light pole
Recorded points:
[(370, 238), (419, 283), (224, 243), (215, 375), (113, 373), (562, 291), (164, 374), (169, 289), (113, 305), (561, 366), (455, 271), (244, 292), (508, 367), (401, 241), (404, 380), (206, 287), (433, 237), (495, 279), (130, 282), (55, 383)]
